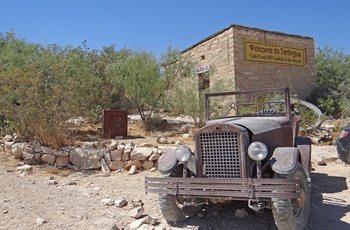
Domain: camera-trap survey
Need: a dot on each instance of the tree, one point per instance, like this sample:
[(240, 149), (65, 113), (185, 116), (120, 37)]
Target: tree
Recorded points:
[(333, 80), (144, 79)]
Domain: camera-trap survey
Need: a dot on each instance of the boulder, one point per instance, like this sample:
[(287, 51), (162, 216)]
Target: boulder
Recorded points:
[(116, 155), (141, 153), (86, 158), (115, 165), (17, 152), (147, 164), (48, 159)]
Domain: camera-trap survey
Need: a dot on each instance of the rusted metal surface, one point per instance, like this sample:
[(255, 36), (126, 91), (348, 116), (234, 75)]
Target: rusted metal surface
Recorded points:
[(245, 188), (115, 123)]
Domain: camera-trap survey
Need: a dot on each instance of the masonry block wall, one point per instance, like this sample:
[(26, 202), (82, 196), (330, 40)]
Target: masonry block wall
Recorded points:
[(251, 58)]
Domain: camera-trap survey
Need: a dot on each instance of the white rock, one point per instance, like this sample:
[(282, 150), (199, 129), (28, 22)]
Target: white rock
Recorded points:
[(120, 203), (137, 223), (107, 201), (40, 221), (136, 212), (25, 168), (141, 153), (132, 170), (113, 145)]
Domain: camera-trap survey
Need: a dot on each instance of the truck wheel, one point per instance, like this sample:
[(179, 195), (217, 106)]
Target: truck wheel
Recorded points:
[(293, 214), (172, 206)]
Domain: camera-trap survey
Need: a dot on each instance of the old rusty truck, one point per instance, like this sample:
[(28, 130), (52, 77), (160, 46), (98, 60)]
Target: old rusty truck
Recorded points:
[(248, 151)]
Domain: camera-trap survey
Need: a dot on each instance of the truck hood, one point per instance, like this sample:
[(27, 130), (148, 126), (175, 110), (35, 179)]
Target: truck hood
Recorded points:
[(255, 124)]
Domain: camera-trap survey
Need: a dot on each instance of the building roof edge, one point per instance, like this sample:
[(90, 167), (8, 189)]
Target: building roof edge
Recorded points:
[(242, 27)]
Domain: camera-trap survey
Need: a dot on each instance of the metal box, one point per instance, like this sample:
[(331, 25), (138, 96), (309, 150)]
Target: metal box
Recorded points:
[(115, 123)]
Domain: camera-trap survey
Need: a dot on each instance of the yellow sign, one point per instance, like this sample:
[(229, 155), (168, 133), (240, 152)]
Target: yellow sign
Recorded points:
[(262, 52)]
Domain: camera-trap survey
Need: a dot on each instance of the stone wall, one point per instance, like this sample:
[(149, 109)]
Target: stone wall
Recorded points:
[(225, 51)]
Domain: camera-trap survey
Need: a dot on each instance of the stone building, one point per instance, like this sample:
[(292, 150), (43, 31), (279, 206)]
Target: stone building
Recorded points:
[(250, 58)]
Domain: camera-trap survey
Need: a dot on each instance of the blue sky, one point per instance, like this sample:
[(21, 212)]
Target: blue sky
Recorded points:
[(154, 25)]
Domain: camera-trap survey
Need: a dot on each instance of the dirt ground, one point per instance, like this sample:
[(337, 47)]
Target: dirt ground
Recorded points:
[(48, 198)]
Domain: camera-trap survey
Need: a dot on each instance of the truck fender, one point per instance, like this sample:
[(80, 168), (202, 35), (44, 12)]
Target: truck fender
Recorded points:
[(168, 162), (304, 146), (284, 160)]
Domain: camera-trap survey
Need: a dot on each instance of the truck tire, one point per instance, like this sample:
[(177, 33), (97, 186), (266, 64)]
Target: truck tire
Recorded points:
[(172, 206), (293, 214)]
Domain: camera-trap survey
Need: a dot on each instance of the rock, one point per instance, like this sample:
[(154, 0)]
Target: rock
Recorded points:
[(116, 155), (241, 213), (104, 166), (132, 170), (28, 149), (115, 165), (126, 156), (40, 221), (52, 182), (154, 156), (8, 145), (107, 156), (137, 203), (120, 203), (17, 152), (62, 161), (129, 147), (107, 201), (147, 165), (137, 163), (148, 145), (86, 158), (38, 149), (136, 212), (37, 157), (200, 215), (162, 140), (48, 150), (25, 168), (171, 141), (151, 220), (30, 161), (137, 223), (48, 159), (115, 227), (141, 153), (113, 145), (7, 138)]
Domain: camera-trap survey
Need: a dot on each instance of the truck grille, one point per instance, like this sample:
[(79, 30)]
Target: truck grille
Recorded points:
[(220, 154)]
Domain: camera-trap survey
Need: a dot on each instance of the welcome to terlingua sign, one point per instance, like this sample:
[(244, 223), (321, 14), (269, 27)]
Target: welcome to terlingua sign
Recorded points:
[(262, 52)]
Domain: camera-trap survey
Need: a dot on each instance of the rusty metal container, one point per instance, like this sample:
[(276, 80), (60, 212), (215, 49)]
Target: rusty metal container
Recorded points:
[(115, 123)]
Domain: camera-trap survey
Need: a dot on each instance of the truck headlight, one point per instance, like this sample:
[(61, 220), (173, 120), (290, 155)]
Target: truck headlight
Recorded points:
[(257, 151), (183, 153)]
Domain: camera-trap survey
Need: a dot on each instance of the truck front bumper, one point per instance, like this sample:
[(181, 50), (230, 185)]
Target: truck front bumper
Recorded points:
[(233, 188)]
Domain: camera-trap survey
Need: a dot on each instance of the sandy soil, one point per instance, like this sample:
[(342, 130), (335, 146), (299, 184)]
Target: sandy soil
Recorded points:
[(48, 198)]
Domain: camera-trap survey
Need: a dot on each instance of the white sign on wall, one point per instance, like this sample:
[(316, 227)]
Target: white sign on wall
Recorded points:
[(202, 68)]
